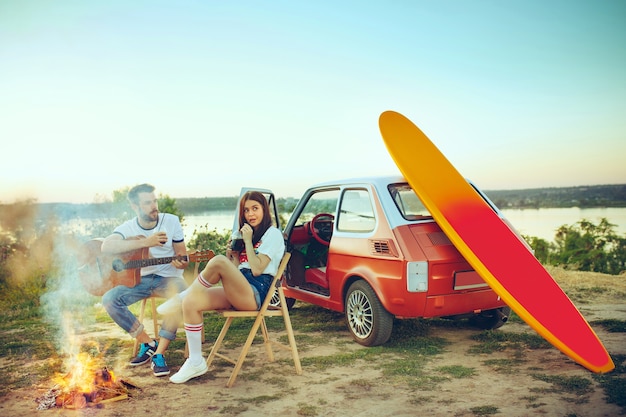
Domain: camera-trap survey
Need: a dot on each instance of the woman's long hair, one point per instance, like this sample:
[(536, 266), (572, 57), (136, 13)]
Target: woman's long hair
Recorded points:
[(266, 223)]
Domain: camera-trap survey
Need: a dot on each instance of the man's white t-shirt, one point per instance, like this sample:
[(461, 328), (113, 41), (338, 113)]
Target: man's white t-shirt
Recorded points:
[(168, 223)]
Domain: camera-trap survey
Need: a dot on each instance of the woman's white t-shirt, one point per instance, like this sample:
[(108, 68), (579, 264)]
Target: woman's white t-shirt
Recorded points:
[(272, 244)]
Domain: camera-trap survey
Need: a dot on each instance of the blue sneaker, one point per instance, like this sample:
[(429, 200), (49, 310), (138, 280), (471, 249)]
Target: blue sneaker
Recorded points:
[(158, 365), (145, 353)]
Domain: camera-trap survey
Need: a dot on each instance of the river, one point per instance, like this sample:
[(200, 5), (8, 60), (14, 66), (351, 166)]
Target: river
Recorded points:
[(541, 223)]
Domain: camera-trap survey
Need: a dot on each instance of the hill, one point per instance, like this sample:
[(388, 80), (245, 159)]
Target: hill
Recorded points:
[(580, 196)]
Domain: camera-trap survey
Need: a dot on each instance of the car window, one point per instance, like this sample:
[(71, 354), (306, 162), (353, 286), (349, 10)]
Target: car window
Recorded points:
[(324, 201), (356, 213), (409, 205)]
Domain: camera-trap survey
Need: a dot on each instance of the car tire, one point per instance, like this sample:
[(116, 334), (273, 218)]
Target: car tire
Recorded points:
[(491, 319), (369, 323)]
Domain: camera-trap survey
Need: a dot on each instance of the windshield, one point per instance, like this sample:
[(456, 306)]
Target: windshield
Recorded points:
[(409, 205)]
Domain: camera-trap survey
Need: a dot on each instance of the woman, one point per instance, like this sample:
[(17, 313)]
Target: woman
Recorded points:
[(246, 275)]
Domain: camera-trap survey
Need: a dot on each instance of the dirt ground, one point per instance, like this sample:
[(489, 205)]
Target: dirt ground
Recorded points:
[(360, 390)]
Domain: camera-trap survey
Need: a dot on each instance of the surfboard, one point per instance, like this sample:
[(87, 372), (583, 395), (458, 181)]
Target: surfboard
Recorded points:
[(490, 246)]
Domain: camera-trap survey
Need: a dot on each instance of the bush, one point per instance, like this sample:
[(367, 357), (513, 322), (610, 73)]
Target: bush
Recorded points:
[(584, 246), (209, 239), (35, 251), (25, 258)]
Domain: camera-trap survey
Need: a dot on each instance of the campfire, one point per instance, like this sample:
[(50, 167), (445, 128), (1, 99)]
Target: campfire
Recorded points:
[(87, 384)]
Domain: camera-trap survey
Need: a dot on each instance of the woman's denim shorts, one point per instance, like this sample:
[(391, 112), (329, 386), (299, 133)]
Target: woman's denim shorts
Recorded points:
[(260, 285)]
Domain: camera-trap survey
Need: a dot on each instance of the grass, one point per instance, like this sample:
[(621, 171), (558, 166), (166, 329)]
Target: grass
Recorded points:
[(505, 366), (307, 410), (614, 383), (491, 341), (457, 371), (532, 401), (583, 295), (404, 358), (573, 385), (612, 325), (484, 410), (31, 357)]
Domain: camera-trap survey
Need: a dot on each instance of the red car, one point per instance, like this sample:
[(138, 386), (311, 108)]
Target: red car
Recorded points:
[(368, 248)]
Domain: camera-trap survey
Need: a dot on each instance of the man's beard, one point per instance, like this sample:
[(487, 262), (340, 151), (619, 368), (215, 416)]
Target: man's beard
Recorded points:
[(150, 217)]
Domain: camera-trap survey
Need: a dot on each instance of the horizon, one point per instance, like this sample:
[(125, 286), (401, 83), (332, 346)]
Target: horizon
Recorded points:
[(161, 195)]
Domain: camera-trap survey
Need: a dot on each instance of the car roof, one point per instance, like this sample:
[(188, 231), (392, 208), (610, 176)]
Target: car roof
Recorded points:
[(392, 213), (378, 181)]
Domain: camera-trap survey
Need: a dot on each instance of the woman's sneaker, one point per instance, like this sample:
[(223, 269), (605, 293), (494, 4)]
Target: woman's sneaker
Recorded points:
[(188, 371), (145, 353), (158, 365)]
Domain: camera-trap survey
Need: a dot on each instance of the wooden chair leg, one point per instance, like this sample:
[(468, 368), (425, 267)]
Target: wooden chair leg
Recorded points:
[(142, 312), (244, 351), (266, 341), (155, 321), (142, 316), (290, 336), (218, 343)]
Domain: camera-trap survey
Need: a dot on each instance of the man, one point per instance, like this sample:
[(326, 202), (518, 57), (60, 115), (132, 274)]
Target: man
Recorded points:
[(163, 235)]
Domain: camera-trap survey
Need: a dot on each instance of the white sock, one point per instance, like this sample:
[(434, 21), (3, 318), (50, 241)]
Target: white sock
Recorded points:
[(203, 281), (187, 290), (194, 342)]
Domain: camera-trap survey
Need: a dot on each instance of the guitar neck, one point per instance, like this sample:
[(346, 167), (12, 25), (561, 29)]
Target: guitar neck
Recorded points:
[(142, 263)]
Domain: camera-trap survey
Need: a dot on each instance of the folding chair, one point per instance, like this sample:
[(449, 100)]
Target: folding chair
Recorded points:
[(259, 315)]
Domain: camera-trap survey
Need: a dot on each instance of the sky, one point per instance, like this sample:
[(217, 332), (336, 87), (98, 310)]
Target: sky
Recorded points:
[(201, 98)]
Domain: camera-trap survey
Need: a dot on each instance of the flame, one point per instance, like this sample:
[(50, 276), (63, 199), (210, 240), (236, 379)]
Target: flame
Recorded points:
[(85, 385), (82, 375), (81, 367)]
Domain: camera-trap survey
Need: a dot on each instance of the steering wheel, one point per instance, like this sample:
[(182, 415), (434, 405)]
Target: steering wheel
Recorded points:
[(323, 238)]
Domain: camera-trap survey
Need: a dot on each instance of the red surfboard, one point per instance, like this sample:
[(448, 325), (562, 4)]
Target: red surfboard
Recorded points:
[(493, 249)]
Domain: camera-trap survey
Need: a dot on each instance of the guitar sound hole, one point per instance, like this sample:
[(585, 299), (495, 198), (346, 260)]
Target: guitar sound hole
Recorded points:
[(118, 265)]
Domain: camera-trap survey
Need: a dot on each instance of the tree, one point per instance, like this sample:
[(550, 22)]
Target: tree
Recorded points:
[(541, 248), (168, 204), (586, 246), (119, 210)]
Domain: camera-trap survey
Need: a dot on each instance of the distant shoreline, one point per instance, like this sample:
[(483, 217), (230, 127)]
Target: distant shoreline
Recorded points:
[(589, 196), (593, 196)]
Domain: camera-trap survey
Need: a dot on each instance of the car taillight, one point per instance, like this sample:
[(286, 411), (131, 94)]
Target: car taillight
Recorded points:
[(417, 276)]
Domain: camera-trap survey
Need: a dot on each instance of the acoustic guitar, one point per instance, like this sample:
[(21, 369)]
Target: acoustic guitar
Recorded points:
[(100, 272)]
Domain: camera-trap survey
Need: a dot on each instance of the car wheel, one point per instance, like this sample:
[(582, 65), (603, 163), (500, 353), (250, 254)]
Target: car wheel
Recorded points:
[(368, 321), (491, 319), (275, 301)]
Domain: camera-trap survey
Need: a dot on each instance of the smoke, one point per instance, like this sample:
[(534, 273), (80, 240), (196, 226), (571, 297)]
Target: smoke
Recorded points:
[(40, 257), (17, 236), (65, 305)]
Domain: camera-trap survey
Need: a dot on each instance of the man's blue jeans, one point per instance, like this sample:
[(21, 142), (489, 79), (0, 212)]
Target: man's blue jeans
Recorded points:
[(117, 300)]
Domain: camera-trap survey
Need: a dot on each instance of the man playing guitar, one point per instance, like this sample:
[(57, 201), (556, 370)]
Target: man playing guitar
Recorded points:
[(162, 235)]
